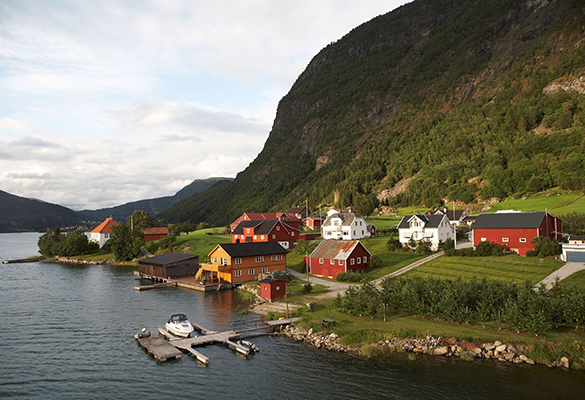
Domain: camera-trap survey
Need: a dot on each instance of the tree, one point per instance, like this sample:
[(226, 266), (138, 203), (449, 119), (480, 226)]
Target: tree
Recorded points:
[(52, 243), (203, 225), (125, 242), (78, 243), (140, 219)]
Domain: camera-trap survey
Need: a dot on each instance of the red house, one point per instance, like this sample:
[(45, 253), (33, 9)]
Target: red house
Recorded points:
[(314, 222), (155, 233), (516, 229), (271, 289), (334, 256), (266, 231), (289, 218)]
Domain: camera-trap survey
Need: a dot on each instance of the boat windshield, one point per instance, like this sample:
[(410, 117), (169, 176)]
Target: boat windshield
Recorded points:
[(178, 318)]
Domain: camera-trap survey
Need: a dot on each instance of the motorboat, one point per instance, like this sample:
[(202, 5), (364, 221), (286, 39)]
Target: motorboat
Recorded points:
[(179, 325)]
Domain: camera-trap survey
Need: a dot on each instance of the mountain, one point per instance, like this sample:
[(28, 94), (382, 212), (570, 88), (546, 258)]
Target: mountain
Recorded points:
[(19, 214), (151, 206), (435, 102)]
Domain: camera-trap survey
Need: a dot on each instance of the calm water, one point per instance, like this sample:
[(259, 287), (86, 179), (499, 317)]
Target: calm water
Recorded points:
[(66, 332)]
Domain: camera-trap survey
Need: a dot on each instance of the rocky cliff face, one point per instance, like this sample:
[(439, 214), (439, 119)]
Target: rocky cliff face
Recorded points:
[(436, 91)]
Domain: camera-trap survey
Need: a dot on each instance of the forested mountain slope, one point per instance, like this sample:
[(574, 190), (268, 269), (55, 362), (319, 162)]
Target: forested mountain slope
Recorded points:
[(19, 214), (453, 100)]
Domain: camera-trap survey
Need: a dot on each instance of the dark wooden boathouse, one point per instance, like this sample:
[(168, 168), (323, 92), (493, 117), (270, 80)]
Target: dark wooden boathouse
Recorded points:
[(169, 266)]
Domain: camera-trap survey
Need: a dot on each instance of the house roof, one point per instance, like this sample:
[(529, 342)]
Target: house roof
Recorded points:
[(288, 216), (169, 258), (261, 227), (251, 249), (155, 231), (431, 221), (453, 215), (270, 280), (106, 226), (346, 218), (336, 249), (509, 220), (295, 210)]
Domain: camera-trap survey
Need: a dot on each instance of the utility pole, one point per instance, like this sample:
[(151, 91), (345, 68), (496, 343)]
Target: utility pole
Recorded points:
[(307, 265), (454, 226)]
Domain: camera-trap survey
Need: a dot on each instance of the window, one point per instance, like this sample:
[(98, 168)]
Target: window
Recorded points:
[(238, 260), (264, 270), (365, 259), (292, 233), (238, 272), (505, 240), (522, 240), (259, 259), (273, 236), (247, 230), (278, 228), (251, 271), (320, 261), (224, 261), (328, 233), (352, 261), (359, 260), (332, 262), (276, 257), (255, 237), (340, 262), (215, 260), (483, 239), (278, 288), (261, 237)]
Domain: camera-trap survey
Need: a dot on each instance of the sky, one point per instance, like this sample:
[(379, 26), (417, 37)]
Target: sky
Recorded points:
[(110, 101)]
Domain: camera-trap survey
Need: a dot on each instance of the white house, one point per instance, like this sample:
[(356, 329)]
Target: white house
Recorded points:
[(434, 228), (102, 233), (456, 217), (345, 225)]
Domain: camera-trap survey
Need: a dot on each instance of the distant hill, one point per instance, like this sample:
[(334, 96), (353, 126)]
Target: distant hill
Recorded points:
[(152, 206), (432, 103), (19, 214)]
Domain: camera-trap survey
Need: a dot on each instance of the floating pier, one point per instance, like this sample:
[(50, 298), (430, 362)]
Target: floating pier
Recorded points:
[(163, 349), (156, 285)]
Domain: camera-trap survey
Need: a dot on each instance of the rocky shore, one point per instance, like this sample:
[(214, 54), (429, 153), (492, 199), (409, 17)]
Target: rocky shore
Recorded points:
[(445, 347), (82, 261)]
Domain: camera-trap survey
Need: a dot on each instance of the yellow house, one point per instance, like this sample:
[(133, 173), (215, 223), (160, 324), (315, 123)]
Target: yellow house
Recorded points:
[(242, 262)]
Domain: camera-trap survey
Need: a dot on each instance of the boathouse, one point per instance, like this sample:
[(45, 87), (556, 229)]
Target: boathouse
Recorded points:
[(271, 289), (169, 266)]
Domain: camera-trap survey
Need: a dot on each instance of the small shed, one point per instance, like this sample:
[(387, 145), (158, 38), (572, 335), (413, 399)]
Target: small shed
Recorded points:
[(155, 233), (271, 289), (169, 266)]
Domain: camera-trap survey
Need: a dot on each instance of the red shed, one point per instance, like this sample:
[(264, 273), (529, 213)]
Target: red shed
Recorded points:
[(271, 289), (155, 233), (334, 256), (516, 229)]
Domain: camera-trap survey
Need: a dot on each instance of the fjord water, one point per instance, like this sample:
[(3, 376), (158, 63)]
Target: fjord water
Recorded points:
[(66, 332)]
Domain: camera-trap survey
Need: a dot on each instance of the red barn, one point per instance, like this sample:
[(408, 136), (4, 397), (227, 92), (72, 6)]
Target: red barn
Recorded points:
[(334, 256), (288, 218), (516, 229), (271, 289), (154, 233), (314, 222)]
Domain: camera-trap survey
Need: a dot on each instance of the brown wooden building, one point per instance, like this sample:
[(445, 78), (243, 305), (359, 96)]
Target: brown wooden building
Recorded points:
[(169, 266)]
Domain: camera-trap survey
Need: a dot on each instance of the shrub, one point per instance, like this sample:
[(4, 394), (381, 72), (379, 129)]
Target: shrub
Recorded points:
[(307, 288), (393, 244), (351, 276)]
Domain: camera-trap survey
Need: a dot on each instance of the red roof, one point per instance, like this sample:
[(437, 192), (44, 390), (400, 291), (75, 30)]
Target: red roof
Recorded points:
[(106, 226), (155, 231)]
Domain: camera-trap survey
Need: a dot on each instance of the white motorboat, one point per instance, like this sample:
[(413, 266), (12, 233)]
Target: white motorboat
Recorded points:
[(179, 325)]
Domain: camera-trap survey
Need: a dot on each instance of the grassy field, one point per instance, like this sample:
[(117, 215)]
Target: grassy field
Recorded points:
[(506, 268), (391, 261), (556, 204), (198, 242), (383, 221), (578, 278)]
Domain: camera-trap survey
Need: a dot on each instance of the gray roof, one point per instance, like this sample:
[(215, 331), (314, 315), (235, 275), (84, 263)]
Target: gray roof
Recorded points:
[(169, 258), (336, 249), (431, 221), (509, 220), (346, 218), (253, 249)]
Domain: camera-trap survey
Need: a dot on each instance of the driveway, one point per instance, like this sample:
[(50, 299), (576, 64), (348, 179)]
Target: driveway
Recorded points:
[(561, 273), (334, 287)]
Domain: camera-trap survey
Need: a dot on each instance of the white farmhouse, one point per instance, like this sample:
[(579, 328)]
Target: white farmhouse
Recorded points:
[(345, 225), (102, 233), (434, 228)]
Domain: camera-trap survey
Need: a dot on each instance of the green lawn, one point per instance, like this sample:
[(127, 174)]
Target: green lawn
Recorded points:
[(578, 278), (391, 261), (556, 204), (383, 221), (198, 242), (505, 268)]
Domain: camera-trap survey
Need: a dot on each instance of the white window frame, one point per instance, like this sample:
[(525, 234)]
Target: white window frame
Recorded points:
[(224, 261), (273, 236), (251, 271), (351, 261), (215, 260), (522, 240), (259, 259), (238, 273), (332, 261), (505, 240), (321, 261), (264, 270), (365, 259), (238, 260), (359, 260), (340, 262), (276, 257), (277, 228)]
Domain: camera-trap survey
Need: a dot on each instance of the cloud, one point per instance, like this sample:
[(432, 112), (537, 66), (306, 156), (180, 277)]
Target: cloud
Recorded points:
[(105, 102)]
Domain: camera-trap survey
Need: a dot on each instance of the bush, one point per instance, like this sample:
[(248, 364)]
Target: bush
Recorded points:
[(351, 276), (393, 244), (307, 288)]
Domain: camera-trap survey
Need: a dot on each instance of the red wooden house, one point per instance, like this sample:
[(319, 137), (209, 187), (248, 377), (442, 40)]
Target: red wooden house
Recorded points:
[(271, 289), (314, 222), (266, 231), (516, 229), (334, 256), (154, 233)]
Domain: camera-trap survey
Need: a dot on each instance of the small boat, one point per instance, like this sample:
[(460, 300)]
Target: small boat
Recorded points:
[(142, 334), (179, 325)]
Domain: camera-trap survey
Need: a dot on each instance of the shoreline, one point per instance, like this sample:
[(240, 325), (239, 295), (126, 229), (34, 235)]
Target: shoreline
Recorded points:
[(446, 347)]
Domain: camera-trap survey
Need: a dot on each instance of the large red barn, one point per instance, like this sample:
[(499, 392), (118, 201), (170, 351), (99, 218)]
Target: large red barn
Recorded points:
[(516, 229), (334, 256), (266, 231)]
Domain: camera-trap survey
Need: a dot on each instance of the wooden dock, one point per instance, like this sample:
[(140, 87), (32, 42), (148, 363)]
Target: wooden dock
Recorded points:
[(156, 285), (160, 348), (163, 349)]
